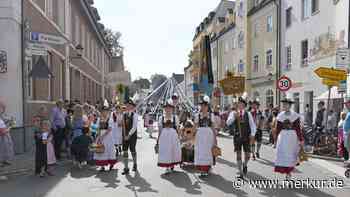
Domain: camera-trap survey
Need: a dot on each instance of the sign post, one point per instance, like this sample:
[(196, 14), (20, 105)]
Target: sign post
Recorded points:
[(47, 38), (332, 77)]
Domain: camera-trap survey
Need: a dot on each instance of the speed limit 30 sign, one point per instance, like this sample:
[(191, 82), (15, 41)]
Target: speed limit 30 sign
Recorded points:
[(284, 84)]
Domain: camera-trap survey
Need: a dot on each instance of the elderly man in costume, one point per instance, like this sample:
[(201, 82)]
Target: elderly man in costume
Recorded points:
[(244, 132), (168, 140), (130, 135), (259, 121), (205, 138), (289, 139)]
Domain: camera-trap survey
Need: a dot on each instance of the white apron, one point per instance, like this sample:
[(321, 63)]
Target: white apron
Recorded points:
[(116, 130), (203, 147), (109, 153), (287, 145), (287, 149), (169, 148)]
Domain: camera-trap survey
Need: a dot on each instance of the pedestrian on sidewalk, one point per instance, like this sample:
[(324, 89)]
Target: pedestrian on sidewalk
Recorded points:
[(347, 129), (78, 122), (105, 138), (205, 138), (341, 149), (289, 139), (80, 148), (245, 130), (51, 158), (58, 122), (6, 144), (168, 140), (217, 119), (41, 137)]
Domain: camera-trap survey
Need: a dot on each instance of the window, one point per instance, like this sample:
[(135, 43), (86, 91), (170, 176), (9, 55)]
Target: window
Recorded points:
[(241, 66), (256, 30), (256, 95), (289, 57), (241, 40), (240, 10), (256, 63), (77, 29), (226, 47), (306, 9), (304, 53), (233, 42), (315, 6), (269, 24), (289, 17), (269, 98), (269, 57), (49, 8)]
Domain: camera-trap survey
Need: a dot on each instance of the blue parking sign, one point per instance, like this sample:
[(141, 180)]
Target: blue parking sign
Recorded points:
[(34, 36)]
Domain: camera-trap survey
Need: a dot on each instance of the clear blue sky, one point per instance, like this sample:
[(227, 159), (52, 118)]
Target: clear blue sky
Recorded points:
[(157, 34)]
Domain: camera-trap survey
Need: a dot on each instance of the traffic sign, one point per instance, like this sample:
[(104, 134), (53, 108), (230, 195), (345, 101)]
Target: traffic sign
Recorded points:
[(330, 82), (343, 57), (47, 38), (284, 84), (37, 49), (331, 73)]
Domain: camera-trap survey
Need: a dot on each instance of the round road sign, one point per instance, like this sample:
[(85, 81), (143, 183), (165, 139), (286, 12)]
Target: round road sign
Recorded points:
[(284, 84)]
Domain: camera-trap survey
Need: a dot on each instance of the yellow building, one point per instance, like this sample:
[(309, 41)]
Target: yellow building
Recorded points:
[(262, 50)]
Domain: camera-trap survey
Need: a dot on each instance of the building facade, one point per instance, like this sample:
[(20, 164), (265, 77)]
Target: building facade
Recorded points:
[(78, 73), (262, 50), (313, 32)]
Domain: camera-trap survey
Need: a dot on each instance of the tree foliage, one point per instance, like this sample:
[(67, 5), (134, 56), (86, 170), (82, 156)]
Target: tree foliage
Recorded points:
[(113, 40), (142, 83), (157, 80)]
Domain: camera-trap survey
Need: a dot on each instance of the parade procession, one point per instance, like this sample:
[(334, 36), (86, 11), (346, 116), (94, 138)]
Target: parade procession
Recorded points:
[(175, 98)]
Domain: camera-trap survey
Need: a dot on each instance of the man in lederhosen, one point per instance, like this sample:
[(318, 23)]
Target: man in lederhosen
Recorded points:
[(244, 133), (259, 120), (130, 136)]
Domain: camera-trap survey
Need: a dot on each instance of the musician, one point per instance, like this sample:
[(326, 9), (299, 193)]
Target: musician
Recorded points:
[(244, 133), (169, 143), (259, 121), (130, 136)]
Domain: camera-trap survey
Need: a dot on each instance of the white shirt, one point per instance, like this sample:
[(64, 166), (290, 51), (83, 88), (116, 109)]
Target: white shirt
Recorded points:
[(2, 124), (134, 123), (252, 125)]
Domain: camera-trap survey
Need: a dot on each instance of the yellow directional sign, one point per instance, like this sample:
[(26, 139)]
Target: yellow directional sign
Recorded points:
[(331, 73), (330, 82)]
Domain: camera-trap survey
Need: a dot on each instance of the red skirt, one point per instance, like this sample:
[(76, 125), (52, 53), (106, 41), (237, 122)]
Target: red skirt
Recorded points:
[(284, 170), (203, 168), (105, 162), (168, 165)]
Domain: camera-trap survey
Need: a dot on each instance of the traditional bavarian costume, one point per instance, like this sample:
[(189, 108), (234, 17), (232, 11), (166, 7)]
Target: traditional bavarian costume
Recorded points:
[(244, 128), (169, 143), (259, 120), (117, 132), (289, 137), (130, 138), (105, 136), (205, 141)]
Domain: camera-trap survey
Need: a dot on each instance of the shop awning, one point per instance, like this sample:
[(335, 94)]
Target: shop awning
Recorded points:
[(334, 94), (40, 70)]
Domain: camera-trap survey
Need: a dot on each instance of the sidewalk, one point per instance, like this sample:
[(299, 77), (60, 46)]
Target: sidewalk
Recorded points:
[(21, 163)]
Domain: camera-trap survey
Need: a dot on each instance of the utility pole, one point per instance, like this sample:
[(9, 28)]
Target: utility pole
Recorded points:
[(278, 4)]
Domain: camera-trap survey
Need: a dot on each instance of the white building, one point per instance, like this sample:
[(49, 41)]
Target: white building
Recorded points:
[(312, 30)]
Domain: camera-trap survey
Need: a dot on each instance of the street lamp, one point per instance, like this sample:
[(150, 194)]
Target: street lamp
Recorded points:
[(79, 49)]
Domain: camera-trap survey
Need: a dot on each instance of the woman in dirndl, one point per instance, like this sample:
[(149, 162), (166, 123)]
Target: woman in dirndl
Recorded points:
[(115, 123), (169, 143), (289, 139), (205, 139), (105, 137)]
